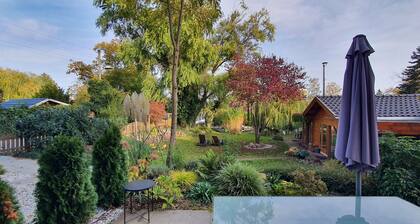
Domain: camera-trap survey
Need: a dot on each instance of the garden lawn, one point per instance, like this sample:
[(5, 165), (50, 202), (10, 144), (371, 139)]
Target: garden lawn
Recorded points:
[(187, 147), (286, 164)]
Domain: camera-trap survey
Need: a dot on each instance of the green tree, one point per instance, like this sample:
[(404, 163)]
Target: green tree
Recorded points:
[(17, 84), (64, 192), (109, 168), (411, 75), (52, 91), (236, 35), (106, 101), (161, 40)]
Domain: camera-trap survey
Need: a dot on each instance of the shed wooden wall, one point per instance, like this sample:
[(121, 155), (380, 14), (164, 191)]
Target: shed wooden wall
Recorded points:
[(323, 117), (400, 128)]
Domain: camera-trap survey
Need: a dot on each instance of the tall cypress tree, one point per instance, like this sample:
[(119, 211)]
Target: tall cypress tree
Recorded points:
[(109, 168), (64, 192), (411, 75)]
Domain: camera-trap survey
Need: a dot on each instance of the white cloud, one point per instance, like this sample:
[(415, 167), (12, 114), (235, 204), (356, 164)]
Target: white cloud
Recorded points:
[(309, 32), (27, 28)]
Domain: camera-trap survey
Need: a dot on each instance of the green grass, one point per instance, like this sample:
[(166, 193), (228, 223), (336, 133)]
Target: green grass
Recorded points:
[(286, 164), (262, 160), (187, 146)]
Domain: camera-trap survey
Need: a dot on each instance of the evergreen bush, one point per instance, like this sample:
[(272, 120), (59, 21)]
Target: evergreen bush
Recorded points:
[(64, 192), (310, 182), (109, 168)]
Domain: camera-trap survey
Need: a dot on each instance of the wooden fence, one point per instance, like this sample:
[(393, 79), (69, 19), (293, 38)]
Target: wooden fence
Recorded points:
[(11, 145)]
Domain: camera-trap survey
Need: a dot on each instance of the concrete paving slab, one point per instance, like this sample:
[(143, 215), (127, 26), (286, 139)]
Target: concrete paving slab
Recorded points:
[(169, 217)]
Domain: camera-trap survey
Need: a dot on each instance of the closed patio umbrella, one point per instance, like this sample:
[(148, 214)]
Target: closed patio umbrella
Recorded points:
[(357, 134)]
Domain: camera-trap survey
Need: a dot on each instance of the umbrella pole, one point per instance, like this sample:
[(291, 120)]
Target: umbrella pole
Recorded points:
[(359, 183)]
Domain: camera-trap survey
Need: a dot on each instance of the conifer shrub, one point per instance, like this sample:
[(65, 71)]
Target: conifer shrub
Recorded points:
[(64, 192), (109, 168)]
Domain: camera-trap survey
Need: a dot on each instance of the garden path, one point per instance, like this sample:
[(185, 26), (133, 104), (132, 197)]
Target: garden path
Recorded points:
[(21, 175)]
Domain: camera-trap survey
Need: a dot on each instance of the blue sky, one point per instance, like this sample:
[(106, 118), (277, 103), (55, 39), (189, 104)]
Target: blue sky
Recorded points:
[(42, 35)]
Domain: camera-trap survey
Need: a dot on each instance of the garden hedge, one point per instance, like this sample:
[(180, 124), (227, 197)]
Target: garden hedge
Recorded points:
[(40, 126)]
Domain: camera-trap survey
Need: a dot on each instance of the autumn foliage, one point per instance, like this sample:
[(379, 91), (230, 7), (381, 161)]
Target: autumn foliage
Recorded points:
[(265, 79), (256, 81), (9, 209), (157, 112)]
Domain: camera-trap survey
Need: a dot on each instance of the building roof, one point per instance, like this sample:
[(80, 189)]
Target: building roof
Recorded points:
[(29, 103), (404, 107)]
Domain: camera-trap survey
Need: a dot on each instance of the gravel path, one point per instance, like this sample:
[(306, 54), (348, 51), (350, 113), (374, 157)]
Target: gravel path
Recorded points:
[(21, 174)]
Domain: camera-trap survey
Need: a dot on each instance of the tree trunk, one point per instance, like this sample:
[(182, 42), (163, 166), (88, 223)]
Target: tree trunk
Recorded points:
[(257, 123), (175, 66)]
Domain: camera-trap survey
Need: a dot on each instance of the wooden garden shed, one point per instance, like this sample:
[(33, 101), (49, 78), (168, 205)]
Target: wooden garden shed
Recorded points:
[(399, 114)]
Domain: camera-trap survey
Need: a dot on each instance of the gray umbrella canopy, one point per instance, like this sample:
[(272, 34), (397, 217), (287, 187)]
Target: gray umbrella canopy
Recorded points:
[(357, 134)]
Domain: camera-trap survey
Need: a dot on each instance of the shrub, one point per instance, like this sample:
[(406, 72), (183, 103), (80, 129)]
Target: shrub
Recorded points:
[(109, 168), (184, 179), (399, 171), (50, 122), (157, 112), (285, 188), (239, 180), (310, 182), (337, 177), (178, 160), (9, 118), (400, 182), (229, 118), (191, 165), (202, 192), (139, 171), (136, 150), (156, 170), (167, 191), (211, 163), (9, 207), (64, 192)]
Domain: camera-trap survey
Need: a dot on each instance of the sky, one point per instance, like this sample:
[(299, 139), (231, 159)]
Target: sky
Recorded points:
[(42, 36)]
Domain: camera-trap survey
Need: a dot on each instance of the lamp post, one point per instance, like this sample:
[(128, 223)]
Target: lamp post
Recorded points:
[(323, 77)]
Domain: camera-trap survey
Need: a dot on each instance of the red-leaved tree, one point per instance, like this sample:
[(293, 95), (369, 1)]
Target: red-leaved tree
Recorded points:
[(258, 81)]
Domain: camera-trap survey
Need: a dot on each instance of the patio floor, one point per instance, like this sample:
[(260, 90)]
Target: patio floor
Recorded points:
[(169, 217)]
